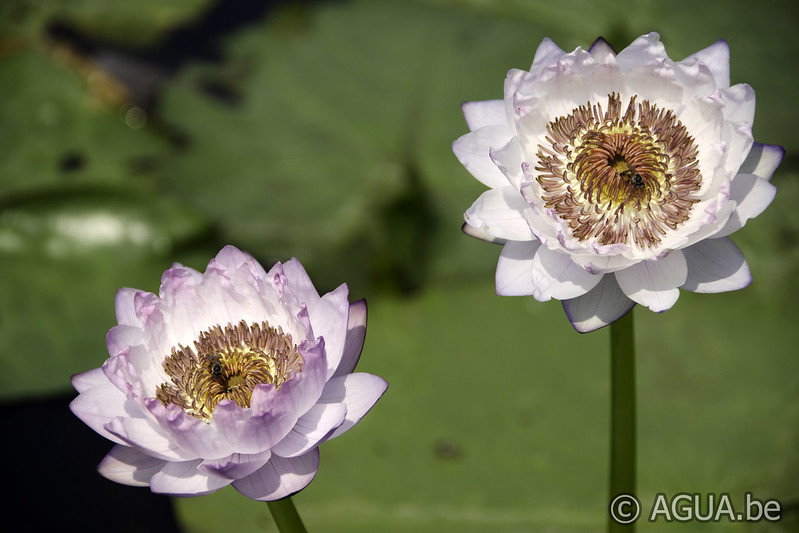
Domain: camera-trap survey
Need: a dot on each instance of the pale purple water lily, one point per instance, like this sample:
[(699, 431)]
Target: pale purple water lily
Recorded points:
[(615, 179), (234, 376)]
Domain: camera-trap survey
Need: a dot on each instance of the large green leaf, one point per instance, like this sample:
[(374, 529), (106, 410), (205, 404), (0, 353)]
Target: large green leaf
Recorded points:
[(63, 255)]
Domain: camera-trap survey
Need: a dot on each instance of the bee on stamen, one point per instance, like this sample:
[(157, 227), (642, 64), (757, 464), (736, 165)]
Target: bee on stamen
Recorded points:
[(215, 366)]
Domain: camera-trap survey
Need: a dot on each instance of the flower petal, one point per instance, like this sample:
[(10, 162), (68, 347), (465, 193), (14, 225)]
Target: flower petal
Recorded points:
[(473, 151), (484, 113), (601, 50), (716, 265), (654, 283), (753, 195), (312, 428), (514, 275), (146, 436), (97, 405), (86, 380), (546, 54), (599, 307), (479, 233), (129, 466), (555, 275), (717, 58), (184, 479), (280, 477), (236, 466), (500, 213), (353, 343), (359, 392), (762, 160)]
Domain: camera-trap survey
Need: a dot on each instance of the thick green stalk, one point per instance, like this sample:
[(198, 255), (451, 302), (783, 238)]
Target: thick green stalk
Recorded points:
[(285, 515), (622, 422)]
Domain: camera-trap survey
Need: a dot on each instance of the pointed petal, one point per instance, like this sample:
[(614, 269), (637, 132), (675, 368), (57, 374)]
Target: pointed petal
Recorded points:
[(359, 392), (329, 317), (753, 195), (473, 151), (514, 275), (717, 58), (762, 160), (98, 405), (300, 283), (654, 283), (353, 343), (546, 54), (500, 213), (184, 479), (484, 113), (280, 477), (311, 429), (599, 307), (143, 434), (129, 466), (601, 50), (716, 265), (644, 50), (555, 275), (90, 378), (479, 233)]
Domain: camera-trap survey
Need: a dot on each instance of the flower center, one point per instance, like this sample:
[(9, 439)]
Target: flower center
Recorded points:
[(227, 364), (619, 178)]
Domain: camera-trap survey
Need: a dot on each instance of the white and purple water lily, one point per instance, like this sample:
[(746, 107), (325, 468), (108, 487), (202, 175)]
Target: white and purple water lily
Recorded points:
[(615, 179), (234, 376)]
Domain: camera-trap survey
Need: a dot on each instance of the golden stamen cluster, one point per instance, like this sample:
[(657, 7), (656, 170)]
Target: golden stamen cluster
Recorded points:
[(619, 177), (227, 364)]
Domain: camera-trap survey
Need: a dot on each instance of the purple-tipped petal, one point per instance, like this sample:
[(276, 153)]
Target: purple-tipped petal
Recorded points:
[(601, 50), (353, 342), (184, 479), (280, 477), (311, 429), (129, 466), (359, 392), (599, 307), (716, 265), (329, 318)]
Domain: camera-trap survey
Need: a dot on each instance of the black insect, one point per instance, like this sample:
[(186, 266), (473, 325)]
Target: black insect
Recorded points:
[(216, 370), (633, 177)]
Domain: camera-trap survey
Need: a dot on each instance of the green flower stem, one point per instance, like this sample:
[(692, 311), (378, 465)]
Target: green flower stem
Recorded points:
[(622, 414), (285, 515)]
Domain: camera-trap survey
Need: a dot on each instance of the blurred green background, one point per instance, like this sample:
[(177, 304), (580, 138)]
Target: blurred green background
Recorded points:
[(137, 134)]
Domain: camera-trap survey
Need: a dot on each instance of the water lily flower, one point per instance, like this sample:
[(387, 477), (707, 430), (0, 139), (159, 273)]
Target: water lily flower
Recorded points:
[(231, 377), (615, 179)]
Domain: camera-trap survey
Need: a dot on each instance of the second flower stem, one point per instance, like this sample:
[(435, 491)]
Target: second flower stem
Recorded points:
[(622, 414), (285, 515)]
